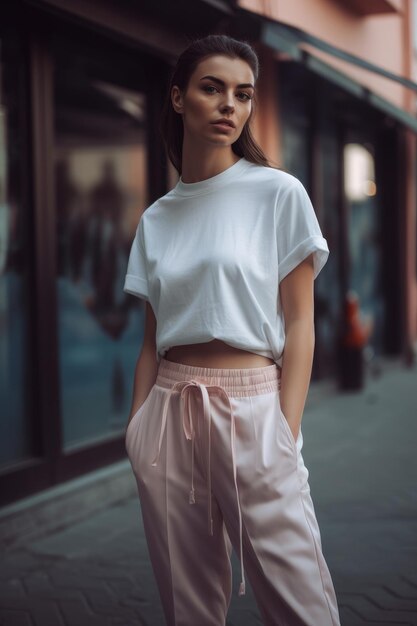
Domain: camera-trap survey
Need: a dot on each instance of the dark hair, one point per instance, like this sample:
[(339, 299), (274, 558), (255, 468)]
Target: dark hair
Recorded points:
[(171, 126)]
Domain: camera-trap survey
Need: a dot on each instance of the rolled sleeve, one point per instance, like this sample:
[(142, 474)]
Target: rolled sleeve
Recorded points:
[(136, 280), (299, 233)]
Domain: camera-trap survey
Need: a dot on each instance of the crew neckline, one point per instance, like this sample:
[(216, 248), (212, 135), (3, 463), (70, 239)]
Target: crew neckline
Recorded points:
[(212, 183)]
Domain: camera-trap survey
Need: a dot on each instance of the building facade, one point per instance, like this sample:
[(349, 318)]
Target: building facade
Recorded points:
[(81, 89)]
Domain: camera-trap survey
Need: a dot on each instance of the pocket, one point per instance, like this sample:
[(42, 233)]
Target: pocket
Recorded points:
[(287, 428), (137, 416), (296, 445)]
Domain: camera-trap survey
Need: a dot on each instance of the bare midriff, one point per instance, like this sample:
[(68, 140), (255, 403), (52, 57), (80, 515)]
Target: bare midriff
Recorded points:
[(216, 353)]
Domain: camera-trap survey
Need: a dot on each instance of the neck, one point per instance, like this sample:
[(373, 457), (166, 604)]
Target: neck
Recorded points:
[(199, 164)]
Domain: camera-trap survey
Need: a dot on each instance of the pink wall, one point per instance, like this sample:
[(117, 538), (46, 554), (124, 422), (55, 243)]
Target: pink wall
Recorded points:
[(265, 125), (381, 39)]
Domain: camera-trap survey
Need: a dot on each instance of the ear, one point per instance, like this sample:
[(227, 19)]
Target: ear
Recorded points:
[(176, 99)]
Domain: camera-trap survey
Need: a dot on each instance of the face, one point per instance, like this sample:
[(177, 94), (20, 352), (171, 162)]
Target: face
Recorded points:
[(220, 87)]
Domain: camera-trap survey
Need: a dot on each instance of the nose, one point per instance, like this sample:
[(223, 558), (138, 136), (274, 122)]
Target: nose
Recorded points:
[(228, 101)]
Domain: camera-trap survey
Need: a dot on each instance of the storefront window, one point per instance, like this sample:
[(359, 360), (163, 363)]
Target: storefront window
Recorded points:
[(15, 439), (414, 77), (100, 192), (364, 227)]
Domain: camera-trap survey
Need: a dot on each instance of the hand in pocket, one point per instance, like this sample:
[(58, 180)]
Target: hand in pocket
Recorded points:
[(139, 411)]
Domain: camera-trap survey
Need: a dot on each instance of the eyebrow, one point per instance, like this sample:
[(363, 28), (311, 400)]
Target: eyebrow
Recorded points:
[(221, 82)]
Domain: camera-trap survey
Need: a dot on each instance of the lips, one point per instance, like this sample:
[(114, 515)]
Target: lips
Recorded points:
[(226, 122)]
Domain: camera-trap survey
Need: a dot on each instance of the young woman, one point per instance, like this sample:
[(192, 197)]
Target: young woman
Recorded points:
[(226, 262)]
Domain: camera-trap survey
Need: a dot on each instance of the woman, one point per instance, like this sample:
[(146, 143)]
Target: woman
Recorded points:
[(226, 262)]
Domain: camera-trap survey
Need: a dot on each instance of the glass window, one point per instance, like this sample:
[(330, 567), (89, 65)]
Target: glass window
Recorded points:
[(100, 192), (15, 439), (364, 227)]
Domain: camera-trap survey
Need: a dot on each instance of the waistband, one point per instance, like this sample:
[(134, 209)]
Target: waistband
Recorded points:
[(237, 382), (229, 382)]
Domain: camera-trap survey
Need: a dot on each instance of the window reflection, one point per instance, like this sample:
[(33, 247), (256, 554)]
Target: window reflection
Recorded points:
[(15, 437), (359, 172), (100, 192), (364, 227)]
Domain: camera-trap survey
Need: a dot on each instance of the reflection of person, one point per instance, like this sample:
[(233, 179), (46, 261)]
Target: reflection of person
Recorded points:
[(106, 240), (4, 231), (10, 249), (70, 222), (226, 262)]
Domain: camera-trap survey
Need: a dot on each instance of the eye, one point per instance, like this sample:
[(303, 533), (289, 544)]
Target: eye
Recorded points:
[(246, 96), (206, 87)]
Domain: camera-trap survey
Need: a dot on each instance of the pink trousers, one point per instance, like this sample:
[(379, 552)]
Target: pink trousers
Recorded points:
[(217, 466)]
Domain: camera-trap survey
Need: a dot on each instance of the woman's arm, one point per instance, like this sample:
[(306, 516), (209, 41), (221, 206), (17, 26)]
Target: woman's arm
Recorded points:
[(146, 366), (297, 298)]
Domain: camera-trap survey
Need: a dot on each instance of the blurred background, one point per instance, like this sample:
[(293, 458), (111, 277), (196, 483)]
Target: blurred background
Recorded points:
[(81, 89)]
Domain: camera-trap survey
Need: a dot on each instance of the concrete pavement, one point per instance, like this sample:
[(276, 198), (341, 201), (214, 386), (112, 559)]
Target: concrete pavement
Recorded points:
[(360, 450)]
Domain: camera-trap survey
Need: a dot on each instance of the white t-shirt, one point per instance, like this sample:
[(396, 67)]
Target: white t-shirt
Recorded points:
[(209, 257)]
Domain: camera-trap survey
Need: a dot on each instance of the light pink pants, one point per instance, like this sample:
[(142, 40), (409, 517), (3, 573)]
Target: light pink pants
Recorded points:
[(216, 465)]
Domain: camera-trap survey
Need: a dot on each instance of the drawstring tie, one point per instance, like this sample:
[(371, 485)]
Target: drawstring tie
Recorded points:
[(188, 427)]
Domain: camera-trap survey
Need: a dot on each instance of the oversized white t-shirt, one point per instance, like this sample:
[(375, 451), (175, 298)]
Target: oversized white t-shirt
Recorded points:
[(209, 257)]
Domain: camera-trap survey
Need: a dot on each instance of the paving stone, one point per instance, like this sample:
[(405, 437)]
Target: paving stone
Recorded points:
[(77, 613), (46, 613), (363, 607), (384, 599), (15, 618), (349, 617), (11, 589)]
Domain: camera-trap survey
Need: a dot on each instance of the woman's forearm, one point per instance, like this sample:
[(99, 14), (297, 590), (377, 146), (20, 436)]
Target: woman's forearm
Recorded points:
[(297, 365)]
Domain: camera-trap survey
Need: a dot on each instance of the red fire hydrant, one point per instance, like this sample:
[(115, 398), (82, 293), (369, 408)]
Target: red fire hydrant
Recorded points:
[(352, 340)]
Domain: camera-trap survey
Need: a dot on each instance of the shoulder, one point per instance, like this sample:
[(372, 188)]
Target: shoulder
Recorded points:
[(279, 190), (154, 209), (273, 179)]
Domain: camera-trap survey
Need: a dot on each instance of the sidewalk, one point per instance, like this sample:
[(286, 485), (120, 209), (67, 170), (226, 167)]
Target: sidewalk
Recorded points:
[(360, 452)]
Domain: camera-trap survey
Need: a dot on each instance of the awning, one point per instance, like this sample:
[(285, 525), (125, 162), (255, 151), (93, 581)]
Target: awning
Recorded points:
[(290, 39)]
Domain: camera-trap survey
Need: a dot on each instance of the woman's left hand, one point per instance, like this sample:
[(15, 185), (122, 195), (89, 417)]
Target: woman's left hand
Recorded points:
[(297, 431)]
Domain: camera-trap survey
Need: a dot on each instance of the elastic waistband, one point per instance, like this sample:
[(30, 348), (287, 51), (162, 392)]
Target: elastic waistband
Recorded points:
[(238, 382)]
